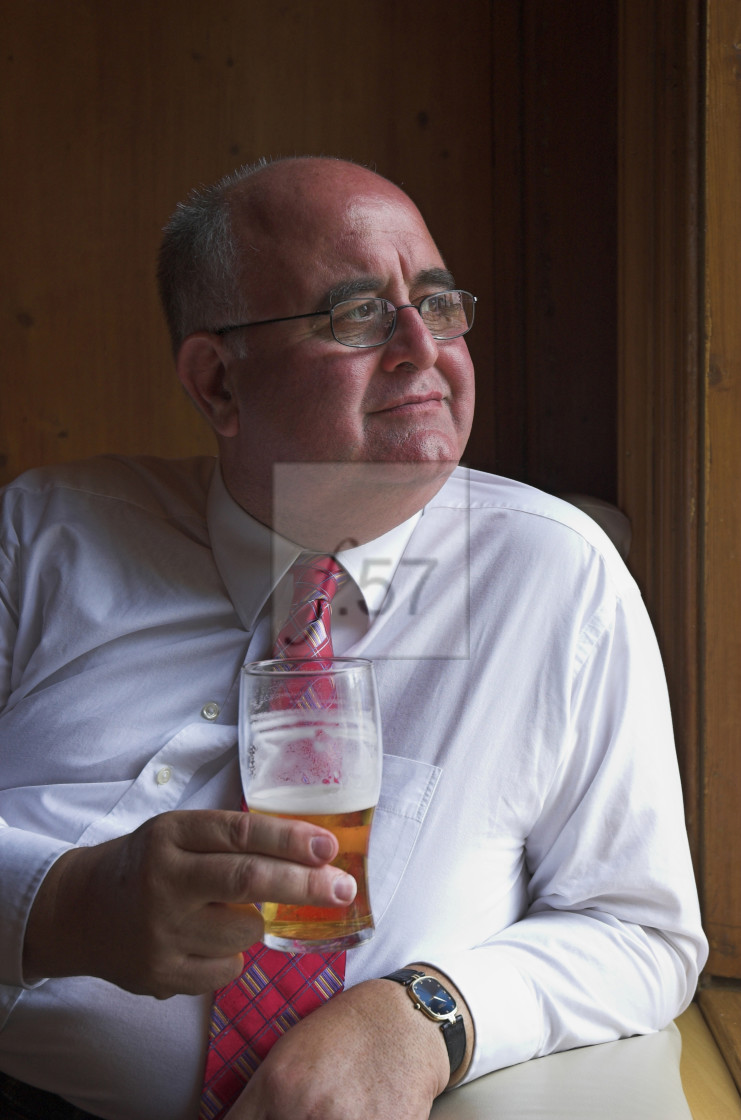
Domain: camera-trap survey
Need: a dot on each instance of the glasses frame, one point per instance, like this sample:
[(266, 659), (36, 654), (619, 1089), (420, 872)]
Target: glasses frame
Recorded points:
[(361, 345)]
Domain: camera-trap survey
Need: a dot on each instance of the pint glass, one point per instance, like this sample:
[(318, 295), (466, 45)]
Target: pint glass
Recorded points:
[(310, 747)]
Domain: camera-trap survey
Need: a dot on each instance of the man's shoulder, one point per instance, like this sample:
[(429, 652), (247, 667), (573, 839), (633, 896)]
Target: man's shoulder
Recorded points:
[(477, 490), (169, 487), (521, 512)]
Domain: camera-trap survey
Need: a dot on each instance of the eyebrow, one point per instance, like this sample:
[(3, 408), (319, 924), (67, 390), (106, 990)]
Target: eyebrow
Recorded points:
[(363, 285), (349, 289), (439, 277)]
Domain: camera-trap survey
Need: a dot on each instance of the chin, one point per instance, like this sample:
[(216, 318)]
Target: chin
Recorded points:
[(411, 474), (426, 461), (416, 446)]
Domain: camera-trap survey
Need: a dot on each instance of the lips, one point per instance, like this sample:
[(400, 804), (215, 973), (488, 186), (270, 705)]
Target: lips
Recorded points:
[(413, 402)]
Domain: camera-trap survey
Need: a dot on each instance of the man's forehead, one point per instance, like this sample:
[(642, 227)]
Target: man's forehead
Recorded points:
[(333, 248), (312, 202)]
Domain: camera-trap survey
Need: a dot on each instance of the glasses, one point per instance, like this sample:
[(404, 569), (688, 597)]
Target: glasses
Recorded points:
[(372, 321)]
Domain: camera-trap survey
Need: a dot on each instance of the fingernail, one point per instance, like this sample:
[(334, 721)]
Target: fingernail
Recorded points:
[(345, 888), (322, 847)]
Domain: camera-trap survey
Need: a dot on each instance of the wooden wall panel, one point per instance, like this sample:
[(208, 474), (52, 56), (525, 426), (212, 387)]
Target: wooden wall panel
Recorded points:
[(721, 662), (554, 69), (680, 411), (500, 122), (110, 113), (659, 316)]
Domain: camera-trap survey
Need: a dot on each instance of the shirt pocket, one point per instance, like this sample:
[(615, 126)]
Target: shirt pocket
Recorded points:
[(407, 789)]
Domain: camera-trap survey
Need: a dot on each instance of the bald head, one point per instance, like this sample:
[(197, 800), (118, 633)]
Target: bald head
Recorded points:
[(218, 240), (291, 188), (304, 210)]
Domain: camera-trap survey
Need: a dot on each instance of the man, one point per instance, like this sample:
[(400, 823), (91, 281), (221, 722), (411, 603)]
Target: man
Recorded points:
[(529, 848)]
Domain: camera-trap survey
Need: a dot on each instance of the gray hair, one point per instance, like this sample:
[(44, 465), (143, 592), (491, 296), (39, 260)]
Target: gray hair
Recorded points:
[(198, 264)]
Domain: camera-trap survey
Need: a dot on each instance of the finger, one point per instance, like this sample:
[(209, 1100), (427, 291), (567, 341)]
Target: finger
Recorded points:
[(204, 974), (229, 878), (191, 975), (223, 928), (227, 831), (218, 930)]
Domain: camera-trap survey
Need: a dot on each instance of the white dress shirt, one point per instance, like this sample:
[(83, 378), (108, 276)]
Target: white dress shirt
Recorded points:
[(529, 840)]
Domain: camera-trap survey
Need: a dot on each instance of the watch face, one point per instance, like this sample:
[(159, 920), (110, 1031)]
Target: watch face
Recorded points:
[(434, 996)]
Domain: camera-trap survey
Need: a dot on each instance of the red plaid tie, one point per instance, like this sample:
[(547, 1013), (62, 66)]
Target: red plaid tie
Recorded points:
[(276, 989), (305, 634)]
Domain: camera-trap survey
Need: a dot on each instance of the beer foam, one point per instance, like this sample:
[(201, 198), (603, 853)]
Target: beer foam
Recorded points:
[(312, 800)]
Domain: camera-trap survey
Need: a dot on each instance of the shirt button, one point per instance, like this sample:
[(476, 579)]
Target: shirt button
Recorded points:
[(210, 710), (163, 776)]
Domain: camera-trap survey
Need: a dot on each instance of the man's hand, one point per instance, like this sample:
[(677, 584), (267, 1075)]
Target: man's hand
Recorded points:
[(366, 1053), (167, 909)]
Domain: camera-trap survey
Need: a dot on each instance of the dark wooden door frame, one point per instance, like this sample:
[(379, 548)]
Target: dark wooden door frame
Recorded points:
[(660, 340), (679, 437)]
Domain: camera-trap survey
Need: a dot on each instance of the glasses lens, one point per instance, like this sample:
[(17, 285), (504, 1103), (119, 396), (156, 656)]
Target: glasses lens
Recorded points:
[(448, 314), (363, 322)]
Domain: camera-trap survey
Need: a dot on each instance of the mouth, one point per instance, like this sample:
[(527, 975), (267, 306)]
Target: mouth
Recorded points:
[(419, 402)]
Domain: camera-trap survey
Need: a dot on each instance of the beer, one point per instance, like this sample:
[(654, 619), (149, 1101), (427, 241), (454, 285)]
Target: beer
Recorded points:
[(310, 748), (296, 928)]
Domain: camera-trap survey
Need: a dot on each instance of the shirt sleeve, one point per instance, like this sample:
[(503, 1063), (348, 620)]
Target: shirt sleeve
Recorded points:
[(611, 944), (8, 612), (25, 857)]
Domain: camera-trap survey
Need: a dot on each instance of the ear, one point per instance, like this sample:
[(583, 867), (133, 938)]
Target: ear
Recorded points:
[(203, 367)]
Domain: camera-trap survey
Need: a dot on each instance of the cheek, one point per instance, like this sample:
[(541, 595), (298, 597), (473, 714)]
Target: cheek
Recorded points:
[(461, 379), (324, 423), (461, 366), (305, 403), (332, 400), (333, 426)]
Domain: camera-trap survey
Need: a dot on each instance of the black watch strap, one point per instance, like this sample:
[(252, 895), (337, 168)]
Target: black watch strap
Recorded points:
[(454, 1031), (455, 1040)]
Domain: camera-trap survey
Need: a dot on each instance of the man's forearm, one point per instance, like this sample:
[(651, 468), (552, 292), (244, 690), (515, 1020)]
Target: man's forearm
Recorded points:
[(462, 1009)]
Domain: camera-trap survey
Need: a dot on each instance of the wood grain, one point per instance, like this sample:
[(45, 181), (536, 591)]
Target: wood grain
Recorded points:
[(721, 664), (722, 1011), (708, 1086), (110, 113), (660, 326)]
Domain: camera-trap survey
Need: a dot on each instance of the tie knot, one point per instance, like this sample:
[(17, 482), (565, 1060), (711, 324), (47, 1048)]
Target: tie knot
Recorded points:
[(316, 577), (305, 634)]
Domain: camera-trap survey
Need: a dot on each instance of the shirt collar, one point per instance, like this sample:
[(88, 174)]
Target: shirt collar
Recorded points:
[(372, 565), (252, 559)]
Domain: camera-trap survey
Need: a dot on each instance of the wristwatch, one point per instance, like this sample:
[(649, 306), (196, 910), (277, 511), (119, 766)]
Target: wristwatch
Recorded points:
[(435, 1001)]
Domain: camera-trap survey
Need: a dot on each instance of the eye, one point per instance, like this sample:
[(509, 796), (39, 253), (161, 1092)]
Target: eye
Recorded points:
[(442, 304), (357, 322), (443, 310), (356, 311)]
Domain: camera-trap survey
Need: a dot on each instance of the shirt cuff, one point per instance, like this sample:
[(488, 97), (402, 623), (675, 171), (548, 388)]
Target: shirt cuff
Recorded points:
[(25, 858), (503, 1005)]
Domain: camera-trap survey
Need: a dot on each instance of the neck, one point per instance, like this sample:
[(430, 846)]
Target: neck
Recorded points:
[(329, 506)]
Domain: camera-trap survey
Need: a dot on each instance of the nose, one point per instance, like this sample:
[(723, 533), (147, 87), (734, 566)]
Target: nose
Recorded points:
[(411, 342)]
